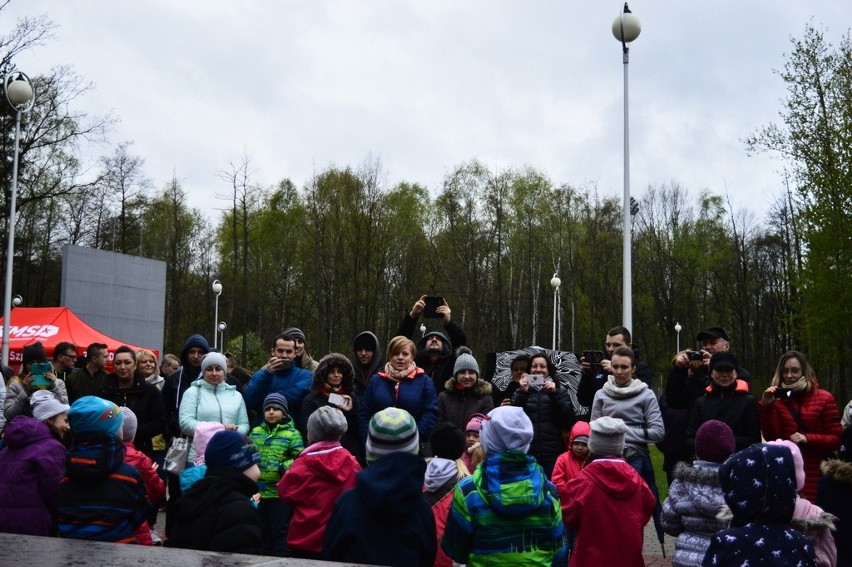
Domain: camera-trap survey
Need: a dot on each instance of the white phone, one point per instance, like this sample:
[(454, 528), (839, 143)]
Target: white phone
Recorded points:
[(337, 400), (536, 381)]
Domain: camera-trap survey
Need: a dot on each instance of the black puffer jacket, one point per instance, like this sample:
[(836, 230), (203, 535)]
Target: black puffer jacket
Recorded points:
[(734, 405), (456, 406), (216, 515), (550, 413), (146, 402)]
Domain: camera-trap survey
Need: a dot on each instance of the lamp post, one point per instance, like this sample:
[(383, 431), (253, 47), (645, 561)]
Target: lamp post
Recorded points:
[(217, 289), (677, 330), (222, 326), (555, 282), (20, 94), (626, 28), (17, 301)]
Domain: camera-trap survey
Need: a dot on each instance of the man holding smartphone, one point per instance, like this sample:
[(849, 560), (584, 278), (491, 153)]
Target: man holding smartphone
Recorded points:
[(436, 353), (593, 374)]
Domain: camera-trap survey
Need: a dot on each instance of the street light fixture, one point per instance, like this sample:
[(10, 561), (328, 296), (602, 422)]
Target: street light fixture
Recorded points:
[(555, 282), (422, 330), (217, 289), (17, 301), (20, 94), (626, 28), (677, 330), (222, 326)]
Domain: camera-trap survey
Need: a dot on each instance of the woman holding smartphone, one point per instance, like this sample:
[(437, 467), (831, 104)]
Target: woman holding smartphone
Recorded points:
[(36, 374), (548, 405), (333, 385)]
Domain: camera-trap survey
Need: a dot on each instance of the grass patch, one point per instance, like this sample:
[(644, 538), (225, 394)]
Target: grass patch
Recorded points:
[(659, 473)]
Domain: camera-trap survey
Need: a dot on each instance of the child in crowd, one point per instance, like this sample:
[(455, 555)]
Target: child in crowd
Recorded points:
[(317, 477), (834, 495), (279, 443), (569, 464), (216, 514), (195, 471), (760, 489), (384, 520), (31, 464), (155, 488), (695, 496), (473, 454), (808, 518), (101, 497), (607, 490), (507, 512), (444, 470)]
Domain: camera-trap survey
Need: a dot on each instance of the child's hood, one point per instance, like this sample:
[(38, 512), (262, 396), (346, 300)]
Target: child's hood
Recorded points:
[(615, 477), (579, 428), (512, 483)]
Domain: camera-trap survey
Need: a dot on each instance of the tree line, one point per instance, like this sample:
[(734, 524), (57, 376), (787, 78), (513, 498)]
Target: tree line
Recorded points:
[(348, 251)]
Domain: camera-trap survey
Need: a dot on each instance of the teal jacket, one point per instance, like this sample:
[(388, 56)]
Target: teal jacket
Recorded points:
[(278, 446), (506, 513)]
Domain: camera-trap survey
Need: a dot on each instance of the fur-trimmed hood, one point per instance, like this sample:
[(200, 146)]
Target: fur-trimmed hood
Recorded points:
[(839, 470), (328, 362), (697, 475), (480, 388)]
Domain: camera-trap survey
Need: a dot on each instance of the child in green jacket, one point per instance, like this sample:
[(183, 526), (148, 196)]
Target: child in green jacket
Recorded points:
[(279, 443)]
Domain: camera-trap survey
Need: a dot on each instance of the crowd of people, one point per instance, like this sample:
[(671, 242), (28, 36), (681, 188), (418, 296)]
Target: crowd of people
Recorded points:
[(414, 458)]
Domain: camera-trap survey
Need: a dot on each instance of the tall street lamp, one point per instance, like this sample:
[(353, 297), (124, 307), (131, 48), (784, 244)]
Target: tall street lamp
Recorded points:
[(555, 282), (626, 28), (677, 330), (20, 94), (217, 289)]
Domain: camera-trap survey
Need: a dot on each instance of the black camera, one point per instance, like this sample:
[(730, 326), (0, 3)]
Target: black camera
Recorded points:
[(782, 393), (694, 355)]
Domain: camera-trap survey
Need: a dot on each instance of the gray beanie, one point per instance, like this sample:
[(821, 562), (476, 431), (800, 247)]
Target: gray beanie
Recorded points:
[(45, 405), (214, 359), (507, 429), (465, 361), (326, 424), (607, 436), (294, 333), (130, 424)]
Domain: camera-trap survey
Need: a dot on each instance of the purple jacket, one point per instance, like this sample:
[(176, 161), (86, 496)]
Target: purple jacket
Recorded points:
[(31, 464)]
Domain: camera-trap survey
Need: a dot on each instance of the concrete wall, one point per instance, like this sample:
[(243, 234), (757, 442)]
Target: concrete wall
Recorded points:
[(122, 296)]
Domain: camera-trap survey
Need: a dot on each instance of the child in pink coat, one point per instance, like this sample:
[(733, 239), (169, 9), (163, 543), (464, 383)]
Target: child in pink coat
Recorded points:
[(155, 488)]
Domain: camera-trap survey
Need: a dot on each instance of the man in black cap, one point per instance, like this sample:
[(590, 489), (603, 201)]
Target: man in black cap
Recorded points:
[(687, 381), (726, 399)]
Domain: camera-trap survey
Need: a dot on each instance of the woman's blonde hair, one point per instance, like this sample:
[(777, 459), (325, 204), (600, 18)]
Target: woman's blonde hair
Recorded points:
[(398, 343), (144, 352)]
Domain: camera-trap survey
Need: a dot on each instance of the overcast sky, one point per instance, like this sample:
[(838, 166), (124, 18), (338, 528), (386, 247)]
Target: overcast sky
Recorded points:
[(427, 85)]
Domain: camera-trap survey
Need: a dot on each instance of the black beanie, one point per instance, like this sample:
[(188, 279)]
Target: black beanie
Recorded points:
[(447, 441)]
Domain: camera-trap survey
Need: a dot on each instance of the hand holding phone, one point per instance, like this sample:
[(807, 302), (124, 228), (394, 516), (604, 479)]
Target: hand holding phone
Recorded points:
[(342, 402), (432, 304), (536, 381)]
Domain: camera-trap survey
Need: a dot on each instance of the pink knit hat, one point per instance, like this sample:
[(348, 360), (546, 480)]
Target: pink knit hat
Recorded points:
[(797, 460), (475, 423), (203, 432)]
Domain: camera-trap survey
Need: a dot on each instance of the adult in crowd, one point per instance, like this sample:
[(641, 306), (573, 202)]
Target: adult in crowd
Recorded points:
[(88, 380), (217, 513), (125, 388), (335, 375), (402, 384), (726, 399), (367, 360), (212, 399), (435, 350), (507, 512), (64, 360), (194, 349), (384, 520), (465, 393), (302, 358), (687, 381), (31, 464), (593, 376), (280, 374), (631, 400), (520, 365), (795, 408), (169, 364), (26, 383), (549, 408), (834, 495), (242, 375), (146, 366)]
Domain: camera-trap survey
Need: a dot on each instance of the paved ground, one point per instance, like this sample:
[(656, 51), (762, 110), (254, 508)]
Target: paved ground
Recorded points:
[(652, 550)]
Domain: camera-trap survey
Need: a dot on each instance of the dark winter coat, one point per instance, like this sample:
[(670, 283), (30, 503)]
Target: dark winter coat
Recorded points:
[(550, 413), (818, 420), (734, 405), (318, 396), (456, 406), (146, 402), (101, 497), (441, 369), (384, 520), (31, 464), (178, 381), (415, 394), (759, 487), (364, 373), (217, 515), (834, 495)]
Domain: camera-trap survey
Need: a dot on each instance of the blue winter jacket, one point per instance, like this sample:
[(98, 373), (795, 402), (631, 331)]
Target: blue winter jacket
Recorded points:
[(292, 383)]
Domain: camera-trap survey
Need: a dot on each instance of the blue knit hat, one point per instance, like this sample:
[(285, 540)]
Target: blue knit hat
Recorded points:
[(91, 413), (231, 450), (276, 400)]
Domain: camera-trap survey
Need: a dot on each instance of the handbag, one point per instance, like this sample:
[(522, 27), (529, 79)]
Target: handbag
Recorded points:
[(176, 456)]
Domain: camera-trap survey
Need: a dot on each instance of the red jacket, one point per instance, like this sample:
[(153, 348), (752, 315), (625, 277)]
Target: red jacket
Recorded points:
[(311, 486), (155, 489), (818, 413), (567, 465), (608, 492)]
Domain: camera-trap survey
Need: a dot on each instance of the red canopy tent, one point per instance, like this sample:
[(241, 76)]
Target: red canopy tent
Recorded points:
[(51, 326)]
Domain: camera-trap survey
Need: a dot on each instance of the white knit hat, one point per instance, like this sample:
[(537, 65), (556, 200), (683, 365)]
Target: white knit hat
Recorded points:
[(507, 429), (607, 436), (45, 405)]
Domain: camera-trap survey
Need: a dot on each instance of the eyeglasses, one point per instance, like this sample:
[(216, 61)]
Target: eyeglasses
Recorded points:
[(71, 356)]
